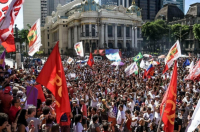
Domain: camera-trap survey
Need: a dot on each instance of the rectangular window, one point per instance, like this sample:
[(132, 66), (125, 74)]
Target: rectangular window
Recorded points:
[(48, 44), (110, 31), (127, 31), (86, 30), (47, 36), (93, 30), (119, 31)]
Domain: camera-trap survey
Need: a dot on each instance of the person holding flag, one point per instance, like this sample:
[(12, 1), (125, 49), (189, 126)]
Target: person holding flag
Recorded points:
[(53, 78)]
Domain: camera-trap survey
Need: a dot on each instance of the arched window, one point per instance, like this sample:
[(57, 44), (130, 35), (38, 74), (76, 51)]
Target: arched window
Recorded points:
[(119, 45), (110, 45)]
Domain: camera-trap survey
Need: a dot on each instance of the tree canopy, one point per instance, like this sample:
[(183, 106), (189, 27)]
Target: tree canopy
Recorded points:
[(196, 31)]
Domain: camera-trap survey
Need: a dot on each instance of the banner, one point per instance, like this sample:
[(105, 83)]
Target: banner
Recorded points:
[(113, 54), (70, 60), (2, 59), (133, 68), (79, 49), (34, 38), (174, 53)]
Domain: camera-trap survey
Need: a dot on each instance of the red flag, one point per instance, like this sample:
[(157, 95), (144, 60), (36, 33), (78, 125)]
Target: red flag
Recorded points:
[(8, 14), (90, 60), (195, 73), (40, 93), (169, 101), (144, 74), (52, 76)]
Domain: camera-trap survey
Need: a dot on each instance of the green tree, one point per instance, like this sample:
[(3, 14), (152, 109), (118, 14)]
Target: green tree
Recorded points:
[(179, 30), (154, 31), (196, 31)]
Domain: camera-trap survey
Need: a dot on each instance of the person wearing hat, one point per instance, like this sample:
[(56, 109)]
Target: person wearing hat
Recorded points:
[(6, 100), (104, 110)]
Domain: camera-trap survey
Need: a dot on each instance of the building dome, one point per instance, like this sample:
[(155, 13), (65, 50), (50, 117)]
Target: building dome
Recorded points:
[(134, 9), (170, 12), (89, 5)]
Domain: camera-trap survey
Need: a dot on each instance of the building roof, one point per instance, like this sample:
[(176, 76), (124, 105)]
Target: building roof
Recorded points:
[(194, 10), (170, 12)]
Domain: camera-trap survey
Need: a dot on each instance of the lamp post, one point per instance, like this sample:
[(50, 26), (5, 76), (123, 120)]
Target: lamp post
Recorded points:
[(18, 56)]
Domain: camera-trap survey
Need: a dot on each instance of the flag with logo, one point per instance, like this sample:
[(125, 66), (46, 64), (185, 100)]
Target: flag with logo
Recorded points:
[(169, 103), (133, 68), (52, 76), (2, 59), (90, 61), (9, 12), (174, 53), (70, 60), (34, 38), (79, 49), (137, 57)]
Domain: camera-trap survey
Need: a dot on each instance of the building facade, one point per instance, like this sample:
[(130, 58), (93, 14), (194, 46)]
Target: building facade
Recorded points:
[(96, 26), (108, 2), (52, 5), (192, 17), (179, 3), (43, 11), (149, 8), (31, 12)]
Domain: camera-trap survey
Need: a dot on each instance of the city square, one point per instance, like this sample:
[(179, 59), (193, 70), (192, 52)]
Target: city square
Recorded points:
[(99, 66)]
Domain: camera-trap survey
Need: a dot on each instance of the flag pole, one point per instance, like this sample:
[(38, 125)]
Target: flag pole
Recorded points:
[(161, 117), (23, 105)]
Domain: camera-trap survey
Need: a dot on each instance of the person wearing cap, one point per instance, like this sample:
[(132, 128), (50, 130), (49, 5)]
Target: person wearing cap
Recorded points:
[(104, 110), (6, 100)]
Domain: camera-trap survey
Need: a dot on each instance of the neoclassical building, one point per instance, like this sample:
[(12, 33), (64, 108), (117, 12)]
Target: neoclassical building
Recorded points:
[(98, 27)]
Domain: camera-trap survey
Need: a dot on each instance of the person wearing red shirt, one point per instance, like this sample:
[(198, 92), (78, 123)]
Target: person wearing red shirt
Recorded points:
[(14, 109), (84, 113), (6, 100)]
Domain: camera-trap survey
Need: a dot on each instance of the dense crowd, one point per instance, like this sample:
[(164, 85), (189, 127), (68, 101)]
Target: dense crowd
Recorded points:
[(102, 98)]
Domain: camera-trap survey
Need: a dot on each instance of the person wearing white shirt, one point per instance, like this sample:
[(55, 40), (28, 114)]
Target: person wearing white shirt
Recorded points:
[(120, 116), (135, 119), (157, 116), (148, 117)]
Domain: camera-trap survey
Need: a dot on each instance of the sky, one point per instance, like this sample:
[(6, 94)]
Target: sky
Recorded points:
[(19, 19)]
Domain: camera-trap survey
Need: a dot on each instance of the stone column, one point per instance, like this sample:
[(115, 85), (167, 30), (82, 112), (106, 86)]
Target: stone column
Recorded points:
[(132, 37), (96, 30), (127, 3), (106, 33), (124, 37), (115, 36), (69, 38), (83, 30), (75, 34), (119, 3), (90, 30), (123, 3), (136, 37), (101, 45), (79, 33)]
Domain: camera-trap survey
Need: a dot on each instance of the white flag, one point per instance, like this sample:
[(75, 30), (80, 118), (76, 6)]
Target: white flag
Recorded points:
[(191, 66), (142, 64), (79, 49), (195, 120), (133, 68)]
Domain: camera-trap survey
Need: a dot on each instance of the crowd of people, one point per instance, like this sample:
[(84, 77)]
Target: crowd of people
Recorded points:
[(102, 98)]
